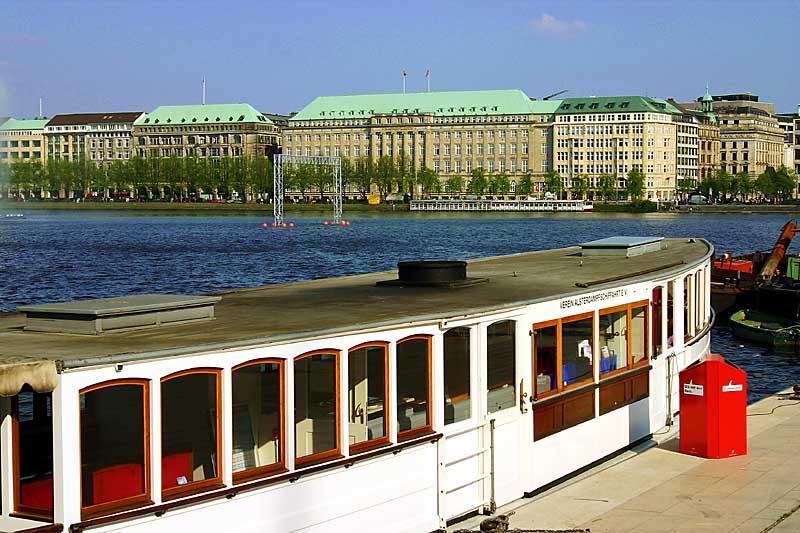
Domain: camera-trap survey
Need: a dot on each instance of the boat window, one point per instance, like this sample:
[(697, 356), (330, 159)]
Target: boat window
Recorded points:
[(658, 310), (671, 314), (258, 426), (190, 428), (501, 365), (545, 349), (367, 373), (687, 308), (33, 453), (576, 350), (698, 300), (115, 447), (638, 333), (456, 375), (613, 340), (316, 407), (413, 387)]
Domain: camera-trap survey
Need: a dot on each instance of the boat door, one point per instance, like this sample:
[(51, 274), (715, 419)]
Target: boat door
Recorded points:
[(479, 457)]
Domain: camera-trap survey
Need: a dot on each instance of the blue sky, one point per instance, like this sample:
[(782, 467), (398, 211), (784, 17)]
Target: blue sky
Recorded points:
[(127, 56)]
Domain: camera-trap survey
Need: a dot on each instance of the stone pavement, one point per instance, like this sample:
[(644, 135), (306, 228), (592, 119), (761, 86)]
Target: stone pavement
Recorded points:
[(659, 489)]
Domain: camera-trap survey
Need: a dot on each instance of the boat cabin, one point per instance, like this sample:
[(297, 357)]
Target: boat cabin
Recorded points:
[(376, 401)]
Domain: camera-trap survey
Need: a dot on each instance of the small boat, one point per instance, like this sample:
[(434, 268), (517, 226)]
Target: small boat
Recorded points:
[(765, 328)]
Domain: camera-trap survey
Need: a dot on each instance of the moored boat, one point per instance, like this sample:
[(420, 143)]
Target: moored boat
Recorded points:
[(764, 328), (386, 401)]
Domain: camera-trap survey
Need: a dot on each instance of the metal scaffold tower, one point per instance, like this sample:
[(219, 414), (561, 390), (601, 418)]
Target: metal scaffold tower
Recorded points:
[(334, 162)]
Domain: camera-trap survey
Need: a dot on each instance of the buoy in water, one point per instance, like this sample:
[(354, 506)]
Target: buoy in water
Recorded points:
[(324, 222), (273, 224), (283, 224), (291, 224), (263, 224)]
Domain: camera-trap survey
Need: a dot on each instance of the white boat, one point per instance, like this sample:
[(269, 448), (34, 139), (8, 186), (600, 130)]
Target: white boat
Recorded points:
[(369, 403)]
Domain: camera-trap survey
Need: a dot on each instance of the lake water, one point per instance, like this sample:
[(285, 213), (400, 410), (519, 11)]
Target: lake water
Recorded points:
[(49, 256)]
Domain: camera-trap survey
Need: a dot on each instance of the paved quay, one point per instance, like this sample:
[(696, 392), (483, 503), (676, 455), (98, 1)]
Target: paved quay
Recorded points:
[(656, 488)]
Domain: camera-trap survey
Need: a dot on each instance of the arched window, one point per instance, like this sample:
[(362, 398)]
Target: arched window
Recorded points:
[(368, 386), (316, 407), (413, 387), (258, 424), (115, 448), (190, 429)]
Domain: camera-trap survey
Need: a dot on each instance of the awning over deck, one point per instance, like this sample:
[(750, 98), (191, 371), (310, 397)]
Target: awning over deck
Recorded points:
[(15, 372)]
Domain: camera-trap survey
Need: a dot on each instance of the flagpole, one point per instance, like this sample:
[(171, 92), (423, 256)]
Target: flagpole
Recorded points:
[(404, 82)]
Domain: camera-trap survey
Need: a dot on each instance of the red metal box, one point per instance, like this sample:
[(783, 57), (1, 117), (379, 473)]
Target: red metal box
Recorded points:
[(713, 403)]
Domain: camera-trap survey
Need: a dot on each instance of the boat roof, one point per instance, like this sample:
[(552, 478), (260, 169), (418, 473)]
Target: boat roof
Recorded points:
[(335, 306)]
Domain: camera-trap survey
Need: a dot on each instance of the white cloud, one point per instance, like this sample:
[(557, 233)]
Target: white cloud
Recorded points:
[(562, 28)]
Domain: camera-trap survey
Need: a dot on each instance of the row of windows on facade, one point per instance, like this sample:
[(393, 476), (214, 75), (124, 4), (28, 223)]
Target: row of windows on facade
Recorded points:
[(190, 139), (337, 137), (610, 142), (635, 129), (612, 156), (90, 127), (446, 167), (421, 120), (20, 155), (610, 169), (222, 127), (94, 156), (189, 152), (627, 117), (109, 143), (24, 144)]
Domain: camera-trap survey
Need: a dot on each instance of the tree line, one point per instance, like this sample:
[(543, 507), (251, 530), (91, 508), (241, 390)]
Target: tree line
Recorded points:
[(249, 178)]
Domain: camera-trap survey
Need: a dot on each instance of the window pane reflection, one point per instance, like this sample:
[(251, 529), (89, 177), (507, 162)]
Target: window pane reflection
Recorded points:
[(367, 393), (257, 424), (545, 348), (613, 341), (576, 351), (456, 375), (315, 404), (501, 365), (413, 380)]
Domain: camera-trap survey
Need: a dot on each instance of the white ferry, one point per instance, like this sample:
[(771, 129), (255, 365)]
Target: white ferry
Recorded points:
[(521, 205), (381, 402)]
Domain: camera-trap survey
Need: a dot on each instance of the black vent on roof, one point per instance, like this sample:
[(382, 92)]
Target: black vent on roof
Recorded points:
[(440, 274)]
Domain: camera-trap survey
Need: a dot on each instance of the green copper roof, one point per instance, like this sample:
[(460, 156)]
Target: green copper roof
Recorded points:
[(14, 124), (707, 96), (201, 114), (445, 103), (615, 104)]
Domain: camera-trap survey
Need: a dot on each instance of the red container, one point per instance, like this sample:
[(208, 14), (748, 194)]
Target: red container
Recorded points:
[(740, 265), (713, 402)]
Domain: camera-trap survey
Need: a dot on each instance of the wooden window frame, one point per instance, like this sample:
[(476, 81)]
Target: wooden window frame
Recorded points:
[(687, 285), (374, 444), (207, 484), (628, 308), (409, 434), (559, 322), (336, 453), (275, 468), (17, 509), (138, 500)]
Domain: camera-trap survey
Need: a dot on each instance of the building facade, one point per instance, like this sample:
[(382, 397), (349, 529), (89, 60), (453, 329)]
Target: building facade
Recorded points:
[(97, 137), (788, 124), (452, 133), (750, 138), (22, 139), (206, 131), (601, 136)]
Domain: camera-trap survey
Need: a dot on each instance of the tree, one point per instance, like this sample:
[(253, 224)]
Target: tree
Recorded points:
[(478, 184), (744, 185), (785, 182), (322, 178), (765, 185), (635, 184), (385, 175), (525, 184), (686, 185), (553, 183), (428, 179), (499, 184), (580, 186), (455, 184), (363, 175), (348, 171), (722, 182), (607, 184)]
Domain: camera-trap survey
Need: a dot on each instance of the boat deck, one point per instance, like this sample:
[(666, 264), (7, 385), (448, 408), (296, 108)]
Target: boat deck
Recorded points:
[(279, 313)]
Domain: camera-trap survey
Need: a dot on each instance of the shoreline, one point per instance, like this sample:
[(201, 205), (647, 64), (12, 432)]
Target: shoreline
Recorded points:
[(267, 209)]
